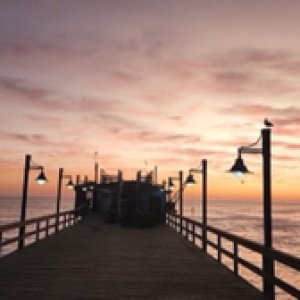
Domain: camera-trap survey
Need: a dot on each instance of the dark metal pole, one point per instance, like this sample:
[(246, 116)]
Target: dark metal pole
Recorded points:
[(120, 185), (24, 200), (102, 176), (181, 198), (138, 190), (96, 172), (155, 174), (77, 179), (268, 264), (77, 192), (58, 199), (204, 204)]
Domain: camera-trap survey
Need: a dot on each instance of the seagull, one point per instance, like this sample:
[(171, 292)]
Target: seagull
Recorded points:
[(268, 123)]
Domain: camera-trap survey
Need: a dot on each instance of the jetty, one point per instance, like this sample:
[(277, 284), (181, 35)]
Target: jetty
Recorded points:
[(98, 260), (125, 240)]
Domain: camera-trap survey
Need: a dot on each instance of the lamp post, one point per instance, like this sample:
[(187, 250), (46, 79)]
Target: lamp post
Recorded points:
[(40, 179), (240, 168), (70, 185), (171, 186), (96, 168), (190, 180)]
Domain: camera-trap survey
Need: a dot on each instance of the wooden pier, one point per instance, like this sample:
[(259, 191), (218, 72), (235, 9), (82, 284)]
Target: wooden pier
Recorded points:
[(96, 260)]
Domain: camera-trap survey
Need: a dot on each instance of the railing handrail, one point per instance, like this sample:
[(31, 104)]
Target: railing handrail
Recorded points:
[(274, 254), (9, 226), (69, 217), (13, 225)]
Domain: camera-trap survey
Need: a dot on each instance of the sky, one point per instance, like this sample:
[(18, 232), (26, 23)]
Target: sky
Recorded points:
[(150, 83)]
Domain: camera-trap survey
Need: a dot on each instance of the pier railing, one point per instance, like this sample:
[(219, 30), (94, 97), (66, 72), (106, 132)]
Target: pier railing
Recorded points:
[(197, 233), (36, 229)]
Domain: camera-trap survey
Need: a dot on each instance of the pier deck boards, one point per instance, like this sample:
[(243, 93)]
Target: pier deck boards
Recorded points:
[(94, 260)]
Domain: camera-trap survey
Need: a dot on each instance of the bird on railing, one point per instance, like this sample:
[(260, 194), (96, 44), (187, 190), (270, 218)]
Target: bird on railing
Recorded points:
[(268, 123)]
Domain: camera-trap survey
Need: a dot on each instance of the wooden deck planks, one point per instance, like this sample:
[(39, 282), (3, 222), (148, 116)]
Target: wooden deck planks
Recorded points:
[(94, 260)]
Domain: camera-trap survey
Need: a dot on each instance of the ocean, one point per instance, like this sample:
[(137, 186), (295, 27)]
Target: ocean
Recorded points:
[(243, 218)]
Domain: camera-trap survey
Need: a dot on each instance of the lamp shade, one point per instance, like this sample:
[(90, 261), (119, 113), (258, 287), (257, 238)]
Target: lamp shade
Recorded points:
[(239, 167), (171, 184), (41, 179), (70, 184), (190, 180)]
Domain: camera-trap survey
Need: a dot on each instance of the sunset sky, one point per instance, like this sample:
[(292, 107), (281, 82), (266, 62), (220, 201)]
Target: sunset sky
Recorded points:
[(148, 83)]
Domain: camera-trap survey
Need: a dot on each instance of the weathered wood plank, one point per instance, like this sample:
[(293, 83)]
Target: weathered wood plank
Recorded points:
[(93, 260)]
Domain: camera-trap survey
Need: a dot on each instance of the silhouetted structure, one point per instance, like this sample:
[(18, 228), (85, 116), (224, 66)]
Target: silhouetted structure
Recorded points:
[(137, 202)]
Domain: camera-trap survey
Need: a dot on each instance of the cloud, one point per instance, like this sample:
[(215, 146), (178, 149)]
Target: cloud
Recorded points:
[(168, 161), (287, 131), (41, 98), (281, 115), (27, 138), (230, 81), (35, 139), (242, 70), (116, 122), (287, 121), (119, 77), (58, 46), (177, 120), (260, 57), (21, 87), (200, 153), (156, 137), (285, 158), (194, 152), (25, 91), (287, 145), (245, 82)]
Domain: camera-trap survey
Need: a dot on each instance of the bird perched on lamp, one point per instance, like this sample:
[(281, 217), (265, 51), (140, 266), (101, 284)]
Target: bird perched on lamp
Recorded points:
[(268, 123)]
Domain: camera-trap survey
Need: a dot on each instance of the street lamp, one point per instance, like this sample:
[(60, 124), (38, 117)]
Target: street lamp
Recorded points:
[(171, 186), (96, 167), (40, 179), (240, 168), (190, 181), (69, 185)]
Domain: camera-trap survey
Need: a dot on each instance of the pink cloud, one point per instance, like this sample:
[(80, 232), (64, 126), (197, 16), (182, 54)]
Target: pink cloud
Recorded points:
[(237, 71), (284, 157), (154, 137), (287, 145), (281, 116)]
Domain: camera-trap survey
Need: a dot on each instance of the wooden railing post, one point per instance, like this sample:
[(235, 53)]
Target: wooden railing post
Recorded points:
[(219, 249), (1, 236), (186, 229), (181, 198), (37, 233), (47, 227), (65, 220), (193, 237), (204, 205), (235, 258)]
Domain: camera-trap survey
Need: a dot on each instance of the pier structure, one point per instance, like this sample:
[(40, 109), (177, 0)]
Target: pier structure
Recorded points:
[(122, 242), (98, 260)]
